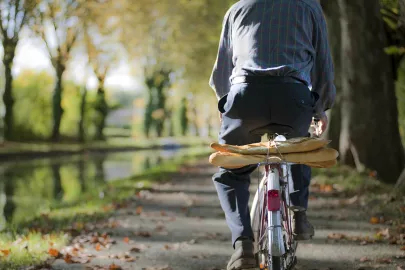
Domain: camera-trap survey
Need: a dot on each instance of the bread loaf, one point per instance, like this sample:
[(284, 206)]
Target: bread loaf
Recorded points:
[(320, 157), (294, 145)]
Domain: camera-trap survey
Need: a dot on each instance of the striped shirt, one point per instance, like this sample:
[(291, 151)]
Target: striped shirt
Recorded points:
[(276, 38)]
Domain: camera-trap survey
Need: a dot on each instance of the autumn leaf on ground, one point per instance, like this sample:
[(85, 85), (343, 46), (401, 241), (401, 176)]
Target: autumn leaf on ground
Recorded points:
[(365, 259), (126, 240), (336, 236), (384, 260), (5, 252), (98, 247), (139, 210), (158, 268), (376, 220), (172, 247), (68, 258), (54, 253), (199, 256), (135, 249), (143, 234), (128, 258), (114, 267)]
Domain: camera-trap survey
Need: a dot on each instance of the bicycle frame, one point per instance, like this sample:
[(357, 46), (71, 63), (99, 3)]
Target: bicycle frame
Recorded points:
[(274, 222), (273, 198)]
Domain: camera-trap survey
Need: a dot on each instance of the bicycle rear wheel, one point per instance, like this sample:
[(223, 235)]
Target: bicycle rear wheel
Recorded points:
[(260, 230)]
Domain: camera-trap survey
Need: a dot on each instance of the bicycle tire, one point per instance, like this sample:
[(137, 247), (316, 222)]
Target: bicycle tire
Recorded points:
[(276, 263)]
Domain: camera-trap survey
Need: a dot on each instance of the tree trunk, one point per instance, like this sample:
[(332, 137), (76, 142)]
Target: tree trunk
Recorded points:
[(401, 13), (369, 107), (8, 58), (57, 182), (160, 105), (83, 98), (332, 14), (99, 166), (183, 116), (57, 110), (10, 206), (102, 111), (195, 121), (81, 167), (400, 186)]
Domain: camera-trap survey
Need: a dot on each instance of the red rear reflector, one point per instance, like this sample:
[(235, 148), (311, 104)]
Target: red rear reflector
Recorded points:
[(273, 200)]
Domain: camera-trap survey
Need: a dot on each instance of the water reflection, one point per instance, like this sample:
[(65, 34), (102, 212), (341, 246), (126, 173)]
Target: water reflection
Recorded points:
[(30, 187)]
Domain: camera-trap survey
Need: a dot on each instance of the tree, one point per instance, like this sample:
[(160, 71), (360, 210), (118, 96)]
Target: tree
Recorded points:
[(58, 191), (332, 14), (183, 116), (101, 61), (83, 98), (58, 26), (369, 135), (14, 15), (157, 80)]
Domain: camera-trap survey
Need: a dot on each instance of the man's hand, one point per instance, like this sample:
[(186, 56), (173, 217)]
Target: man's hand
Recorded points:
[(321, 125), (220, 117)]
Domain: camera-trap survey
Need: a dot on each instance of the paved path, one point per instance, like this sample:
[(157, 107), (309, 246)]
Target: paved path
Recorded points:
[(179, 225)]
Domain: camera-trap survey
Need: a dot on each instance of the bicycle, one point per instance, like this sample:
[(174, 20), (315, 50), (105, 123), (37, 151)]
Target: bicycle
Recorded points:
[(271, 218)]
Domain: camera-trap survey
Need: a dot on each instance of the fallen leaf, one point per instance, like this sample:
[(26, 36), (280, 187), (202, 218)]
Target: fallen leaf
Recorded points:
[(68, 258), (138, 248), (129, 259), (143, 234), (172, 247), (336, 236), (135, 249), (402, 248), (114, 267), (365, 259), (199, 256), (5, 252), (54, 253), (374, 220), (158, 268), (126, 240), (98, 247), (384, 260), (373, 174), (139, 210)]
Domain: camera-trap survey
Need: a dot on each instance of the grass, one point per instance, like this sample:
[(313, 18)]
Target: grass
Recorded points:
[(376, 197), (31, 249), (28, 243), (349, 180)]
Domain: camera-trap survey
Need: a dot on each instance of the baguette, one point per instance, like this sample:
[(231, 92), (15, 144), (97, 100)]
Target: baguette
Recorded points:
[(324, 156), (294, 145)]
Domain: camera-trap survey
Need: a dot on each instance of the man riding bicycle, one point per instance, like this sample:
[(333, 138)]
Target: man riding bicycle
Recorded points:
[(272, 53)]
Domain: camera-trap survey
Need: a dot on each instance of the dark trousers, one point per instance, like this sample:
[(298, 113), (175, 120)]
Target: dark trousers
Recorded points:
[(245, 108)]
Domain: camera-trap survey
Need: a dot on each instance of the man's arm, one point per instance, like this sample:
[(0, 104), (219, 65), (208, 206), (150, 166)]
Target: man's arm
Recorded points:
[(322, 74), (223, 67)]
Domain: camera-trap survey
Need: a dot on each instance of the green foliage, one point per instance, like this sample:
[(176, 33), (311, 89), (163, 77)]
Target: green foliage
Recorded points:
[(33, 111), (157, 82), (101, 112), (147, 121)]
